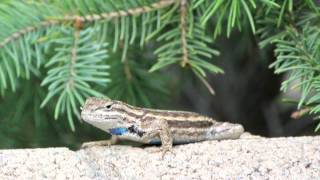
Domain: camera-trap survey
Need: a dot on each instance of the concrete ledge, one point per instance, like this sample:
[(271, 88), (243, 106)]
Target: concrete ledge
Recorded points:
[(257, 158)]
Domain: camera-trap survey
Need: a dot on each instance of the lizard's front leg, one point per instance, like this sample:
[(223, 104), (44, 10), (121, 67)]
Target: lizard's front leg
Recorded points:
[(159, 128), (113, 140)]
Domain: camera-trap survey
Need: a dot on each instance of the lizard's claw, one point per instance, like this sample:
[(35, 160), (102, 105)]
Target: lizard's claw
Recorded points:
[(165, 150)]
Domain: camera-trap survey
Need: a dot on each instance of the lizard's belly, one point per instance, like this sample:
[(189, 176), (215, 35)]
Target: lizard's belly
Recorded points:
[(221, 131), (190, 135), (179, 136), (178, 139), (131, 137)]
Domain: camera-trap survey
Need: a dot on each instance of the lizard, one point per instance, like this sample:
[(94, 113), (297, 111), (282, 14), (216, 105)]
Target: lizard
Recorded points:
[(153, 126)]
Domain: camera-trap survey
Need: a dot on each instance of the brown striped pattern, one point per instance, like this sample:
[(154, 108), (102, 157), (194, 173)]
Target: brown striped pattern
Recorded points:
[(188, 124), (181, 119), (132, 114)]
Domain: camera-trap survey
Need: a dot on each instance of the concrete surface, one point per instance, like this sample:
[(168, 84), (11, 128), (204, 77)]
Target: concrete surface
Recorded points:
[(247, 158)]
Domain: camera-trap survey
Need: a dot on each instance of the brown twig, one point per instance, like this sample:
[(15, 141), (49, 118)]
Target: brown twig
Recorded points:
[(183, 29), (300, 113), (80, 20)]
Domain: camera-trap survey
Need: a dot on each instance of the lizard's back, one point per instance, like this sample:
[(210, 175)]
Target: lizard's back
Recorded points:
[(188, 127)]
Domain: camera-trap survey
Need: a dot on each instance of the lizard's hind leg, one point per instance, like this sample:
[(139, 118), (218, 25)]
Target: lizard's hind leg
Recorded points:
[(160, 128)]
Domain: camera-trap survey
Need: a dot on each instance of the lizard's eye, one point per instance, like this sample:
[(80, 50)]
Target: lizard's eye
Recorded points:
[(108, 107)]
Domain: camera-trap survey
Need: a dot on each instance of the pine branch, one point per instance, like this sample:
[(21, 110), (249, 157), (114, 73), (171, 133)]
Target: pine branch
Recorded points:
[(51, 18), (234, 11), (298, 54), (77, 65), (20, 51), (35, 36), (122, 18), (118, 13), (186, 44), (183, 26), (19, 12), (272, 22), (24, 31), (132, 83), (44, 20)]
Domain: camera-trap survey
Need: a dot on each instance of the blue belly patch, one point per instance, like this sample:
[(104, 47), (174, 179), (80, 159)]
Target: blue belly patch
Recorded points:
[(155, 142), (118, 131)]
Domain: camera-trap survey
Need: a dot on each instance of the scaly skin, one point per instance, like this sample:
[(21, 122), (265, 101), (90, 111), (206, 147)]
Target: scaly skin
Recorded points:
[(152, 126)]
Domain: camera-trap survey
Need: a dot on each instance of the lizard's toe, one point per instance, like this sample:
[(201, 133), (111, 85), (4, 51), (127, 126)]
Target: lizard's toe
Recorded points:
[(166, 150)]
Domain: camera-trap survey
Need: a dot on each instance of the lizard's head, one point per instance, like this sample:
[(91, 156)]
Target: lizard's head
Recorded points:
[(225, 130), (102, 113)]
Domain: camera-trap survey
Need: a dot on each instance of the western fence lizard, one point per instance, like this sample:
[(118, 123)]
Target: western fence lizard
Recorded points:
[(152, 126)]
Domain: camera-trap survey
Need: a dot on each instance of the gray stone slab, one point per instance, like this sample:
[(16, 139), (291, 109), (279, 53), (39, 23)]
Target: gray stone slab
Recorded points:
[(255, 158)]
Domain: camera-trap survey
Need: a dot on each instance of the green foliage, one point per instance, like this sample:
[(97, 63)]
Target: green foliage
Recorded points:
[(136, 85), (77, 62), (297, 49), (81, 48), (70, 58), (20, 56), (299, 55), (187, 44), (235, 11)]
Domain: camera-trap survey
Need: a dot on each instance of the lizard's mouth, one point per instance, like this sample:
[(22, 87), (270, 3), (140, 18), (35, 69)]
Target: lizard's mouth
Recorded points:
[(227, 131), (102, 121), (106, 125), (89, 117)]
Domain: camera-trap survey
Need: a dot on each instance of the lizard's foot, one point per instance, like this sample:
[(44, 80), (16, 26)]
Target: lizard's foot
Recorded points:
[(166, 149), (96, 143), (110, 142)]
